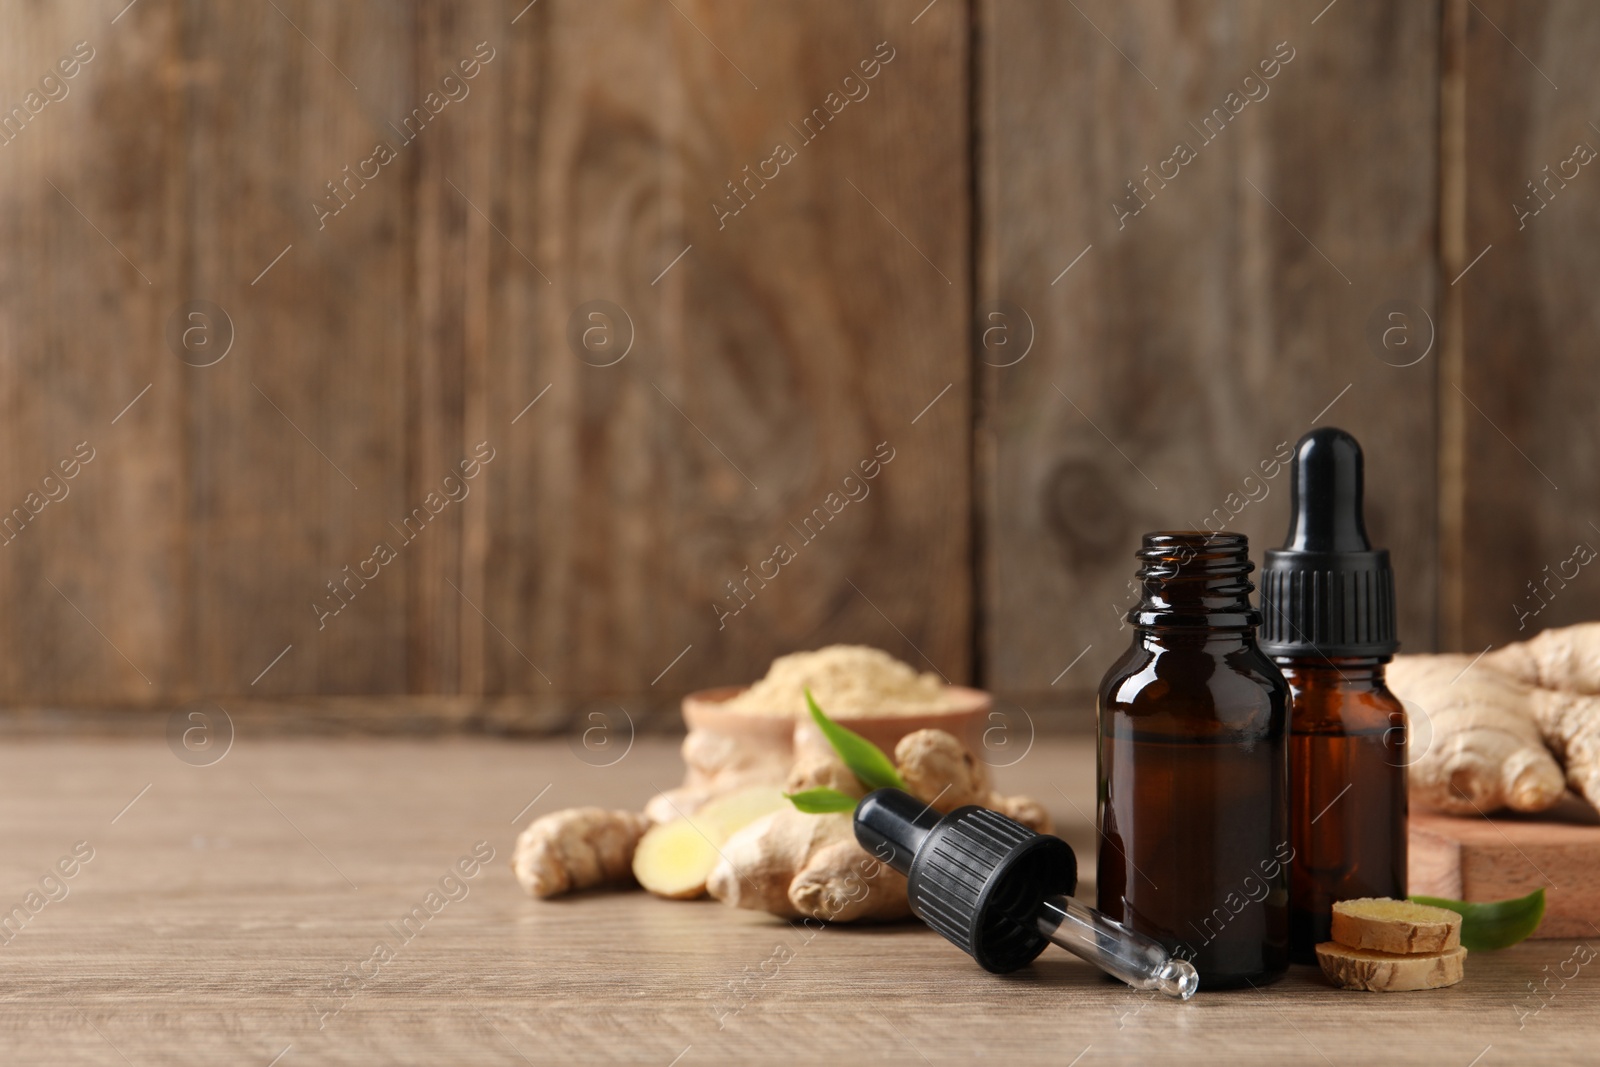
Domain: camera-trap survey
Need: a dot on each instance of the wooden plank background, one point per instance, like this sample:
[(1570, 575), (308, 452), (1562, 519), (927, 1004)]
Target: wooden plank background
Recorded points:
[(1528, 390), (949, 271), (1219, 321)]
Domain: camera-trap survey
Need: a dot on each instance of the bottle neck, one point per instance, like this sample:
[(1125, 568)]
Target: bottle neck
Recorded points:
[(1218, 641), (1195, 582)]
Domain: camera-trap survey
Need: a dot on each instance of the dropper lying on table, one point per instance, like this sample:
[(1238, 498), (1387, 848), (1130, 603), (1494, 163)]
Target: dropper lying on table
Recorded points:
[(1000, 892)]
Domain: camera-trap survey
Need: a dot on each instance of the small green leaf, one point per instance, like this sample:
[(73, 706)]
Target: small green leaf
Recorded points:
[(1496, 924), (822, 800), (866, 760)]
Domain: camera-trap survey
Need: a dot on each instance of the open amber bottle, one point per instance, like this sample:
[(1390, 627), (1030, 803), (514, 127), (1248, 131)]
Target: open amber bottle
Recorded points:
[(1193, 766)]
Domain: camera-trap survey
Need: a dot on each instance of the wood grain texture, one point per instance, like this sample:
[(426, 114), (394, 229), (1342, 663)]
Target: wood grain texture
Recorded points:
[(1529, 389), (791, 342), (457, 264), (1453, 259), (1218, 321), (94, 250), (215, 919), (849, 302), (1498, 858), (294, 442), (375, 347)]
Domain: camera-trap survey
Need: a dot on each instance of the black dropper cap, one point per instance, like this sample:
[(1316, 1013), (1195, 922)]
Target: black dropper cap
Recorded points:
[(974, 875), (1327, 592)]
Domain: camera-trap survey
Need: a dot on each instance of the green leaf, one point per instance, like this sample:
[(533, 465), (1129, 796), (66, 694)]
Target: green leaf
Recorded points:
[(1496, 924), (866, 760), (822, 800)]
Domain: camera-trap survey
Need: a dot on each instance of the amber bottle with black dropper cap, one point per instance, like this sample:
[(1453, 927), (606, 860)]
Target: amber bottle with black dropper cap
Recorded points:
[(1328, 621), (1193, 767)]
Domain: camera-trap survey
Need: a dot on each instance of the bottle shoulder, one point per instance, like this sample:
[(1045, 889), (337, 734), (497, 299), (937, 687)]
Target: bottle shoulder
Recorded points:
[(1349, 705), (1196, 687)]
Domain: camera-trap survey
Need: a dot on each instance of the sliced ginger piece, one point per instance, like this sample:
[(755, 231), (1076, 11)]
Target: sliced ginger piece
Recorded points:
[(675, 857), (731, 812), (1383, 972), (1402, 927)]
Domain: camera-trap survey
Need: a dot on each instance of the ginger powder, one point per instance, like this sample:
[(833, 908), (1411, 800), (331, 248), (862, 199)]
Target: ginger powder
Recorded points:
[(847, 681)]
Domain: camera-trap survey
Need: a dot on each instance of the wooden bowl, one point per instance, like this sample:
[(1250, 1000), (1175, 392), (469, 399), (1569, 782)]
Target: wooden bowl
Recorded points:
[(705, 710)]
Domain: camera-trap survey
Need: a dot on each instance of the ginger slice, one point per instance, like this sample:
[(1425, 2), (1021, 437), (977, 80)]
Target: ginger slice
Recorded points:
[(1402, 927), (1382, 972), (674, 858)]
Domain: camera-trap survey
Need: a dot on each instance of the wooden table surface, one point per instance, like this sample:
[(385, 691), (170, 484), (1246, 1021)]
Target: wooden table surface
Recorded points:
[(229, 914)]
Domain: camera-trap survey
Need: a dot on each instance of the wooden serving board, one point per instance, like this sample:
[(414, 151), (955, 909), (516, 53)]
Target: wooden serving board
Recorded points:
[(1480, 859)]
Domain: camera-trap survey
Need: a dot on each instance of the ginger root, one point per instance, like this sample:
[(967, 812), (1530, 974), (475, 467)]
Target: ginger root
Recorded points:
[(842, 883), (1026, 810), (795, 865), (939, 770), (1486, 751), (1500, 726), (718, 762), (719, 832), (819, 771), (577, 849), (760, 861), (1566, 658)]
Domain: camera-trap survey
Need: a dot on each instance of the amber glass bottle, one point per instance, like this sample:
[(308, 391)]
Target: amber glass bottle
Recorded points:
[(1193, 766), (1327, 600), (1347, 800)]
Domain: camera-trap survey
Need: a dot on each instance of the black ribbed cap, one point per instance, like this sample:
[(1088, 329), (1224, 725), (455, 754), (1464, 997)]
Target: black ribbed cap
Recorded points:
[(976, 876), (1327, 592)]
